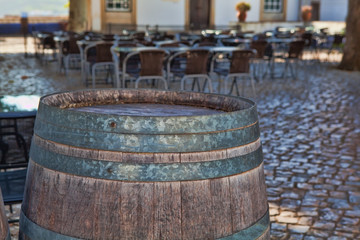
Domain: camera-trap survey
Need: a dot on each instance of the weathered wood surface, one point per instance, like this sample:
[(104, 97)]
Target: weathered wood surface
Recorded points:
[(88, 192), (4, 227)]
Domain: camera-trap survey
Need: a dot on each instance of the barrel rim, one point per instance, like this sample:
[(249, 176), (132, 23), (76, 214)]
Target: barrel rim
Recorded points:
[(252, 104)]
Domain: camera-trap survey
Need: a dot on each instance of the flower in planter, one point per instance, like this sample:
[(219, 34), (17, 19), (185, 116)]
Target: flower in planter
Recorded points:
[(242, 8)]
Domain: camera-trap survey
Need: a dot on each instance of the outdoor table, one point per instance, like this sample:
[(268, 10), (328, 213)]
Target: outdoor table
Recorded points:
[(13, 108)]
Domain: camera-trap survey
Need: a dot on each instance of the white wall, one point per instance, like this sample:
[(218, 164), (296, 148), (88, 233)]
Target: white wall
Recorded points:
[(160, 12), (225, 11), (333, 10), (292, 10), (96, 15)]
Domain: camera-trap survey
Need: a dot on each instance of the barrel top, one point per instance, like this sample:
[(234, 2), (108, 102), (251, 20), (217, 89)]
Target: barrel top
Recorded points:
[(146, 109), (144, 102), (223, 122)]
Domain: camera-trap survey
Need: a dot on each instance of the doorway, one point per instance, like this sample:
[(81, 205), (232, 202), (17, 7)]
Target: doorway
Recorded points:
[(199, 14), (315, 12)]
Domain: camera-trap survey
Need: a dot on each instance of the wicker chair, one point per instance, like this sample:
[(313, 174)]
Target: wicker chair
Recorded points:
[(151, 66), (239, 69), (196, 68), (259, 59), (98, 57), (293, 57), (126, 64)]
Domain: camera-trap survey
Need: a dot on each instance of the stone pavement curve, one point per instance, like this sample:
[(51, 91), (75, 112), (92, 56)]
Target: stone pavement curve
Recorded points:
[(310, 131)]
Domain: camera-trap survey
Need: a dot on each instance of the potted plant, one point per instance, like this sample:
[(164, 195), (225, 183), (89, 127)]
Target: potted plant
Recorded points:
[(306, 13), (242, 8)]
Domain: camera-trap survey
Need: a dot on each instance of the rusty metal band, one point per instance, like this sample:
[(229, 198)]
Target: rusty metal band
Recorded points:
[(146, 172), (36, 232)]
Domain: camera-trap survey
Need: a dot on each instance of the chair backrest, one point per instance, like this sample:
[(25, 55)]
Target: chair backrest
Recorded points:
[(123, 56), (206, 44), (196, 61), (152, 62), (296, 48), (260, 47), (338, 38), (173, 44), (48, 42), (240, 61), (103, 53), (307, 37)]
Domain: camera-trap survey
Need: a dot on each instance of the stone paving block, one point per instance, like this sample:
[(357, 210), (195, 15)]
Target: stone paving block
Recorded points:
[(319, 233), (308, 211), (298, 228), (328, 214), (278, 235), (324, 225), (347, 235), (306, 221), (337, 194), (350, 221), (353, 213), (339, 203), (279, 226), (296, 237)]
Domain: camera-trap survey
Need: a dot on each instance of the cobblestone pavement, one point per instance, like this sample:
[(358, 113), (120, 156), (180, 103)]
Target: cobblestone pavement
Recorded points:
[(310, 129)]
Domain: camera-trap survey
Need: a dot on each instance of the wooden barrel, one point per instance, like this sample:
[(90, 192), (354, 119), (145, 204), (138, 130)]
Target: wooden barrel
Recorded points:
[(145, 164), (4, 227)]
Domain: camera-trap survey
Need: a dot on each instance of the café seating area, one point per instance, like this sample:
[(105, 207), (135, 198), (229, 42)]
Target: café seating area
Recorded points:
[(125, 60)]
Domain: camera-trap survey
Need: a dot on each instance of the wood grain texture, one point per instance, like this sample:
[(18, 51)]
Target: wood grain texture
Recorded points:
[(4, 227), (167, 215), (246, 205), (196, 210)]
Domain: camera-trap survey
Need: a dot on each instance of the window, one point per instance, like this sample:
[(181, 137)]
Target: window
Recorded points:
[(118, 5), (273, 6)]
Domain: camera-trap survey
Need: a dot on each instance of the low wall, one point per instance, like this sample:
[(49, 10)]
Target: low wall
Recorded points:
[(15, 28)]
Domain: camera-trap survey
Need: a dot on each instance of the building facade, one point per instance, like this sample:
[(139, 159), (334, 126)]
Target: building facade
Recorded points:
[(199, 14)]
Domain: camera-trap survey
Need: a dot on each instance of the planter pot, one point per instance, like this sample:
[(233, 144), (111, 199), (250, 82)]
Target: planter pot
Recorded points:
[(241, 15)]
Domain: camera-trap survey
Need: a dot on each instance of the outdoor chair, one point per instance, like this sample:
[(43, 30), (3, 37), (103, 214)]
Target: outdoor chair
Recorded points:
[(48, 46), (239, 69), (310, 50), (175, 66), (152, 62), (293, 57), (126, 64), (336, 46), (99, 57), (12, 185), (260, 58), (71, 54), (196, 68)]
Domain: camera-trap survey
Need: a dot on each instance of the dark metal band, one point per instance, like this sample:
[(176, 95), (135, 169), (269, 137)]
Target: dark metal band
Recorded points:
[(34, 231), (8, 236), (146, 172), (255, 231)]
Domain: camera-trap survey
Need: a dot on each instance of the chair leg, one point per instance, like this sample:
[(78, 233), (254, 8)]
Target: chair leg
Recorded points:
[(93, 77), (253, 85)]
